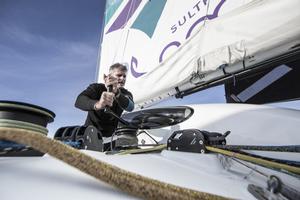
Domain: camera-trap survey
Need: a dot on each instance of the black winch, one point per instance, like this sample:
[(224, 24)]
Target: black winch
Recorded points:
[(23, 116), (194, 140), (80, 137)]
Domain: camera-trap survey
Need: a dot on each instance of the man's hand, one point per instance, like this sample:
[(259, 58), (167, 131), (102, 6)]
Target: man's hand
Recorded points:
[(107, 99), (112, 81)]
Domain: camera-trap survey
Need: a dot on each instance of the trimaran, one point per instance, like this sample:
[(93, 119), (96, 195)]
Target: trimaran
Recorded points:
[(174, 48)]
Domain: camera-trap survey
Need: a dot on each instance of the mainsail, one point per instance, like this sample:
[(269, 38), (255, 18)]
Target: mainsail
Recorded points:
[(180, 47)]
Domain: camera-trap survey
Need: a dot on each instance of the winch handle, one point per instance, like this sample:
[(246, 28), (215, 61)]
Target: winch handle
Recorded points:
[(109, 111), (226, 134)]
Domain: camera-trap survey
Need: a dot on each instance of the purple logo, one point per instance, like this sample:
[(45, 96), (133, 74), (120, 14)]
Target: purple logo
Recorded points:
[(133, 63), (174, 28)]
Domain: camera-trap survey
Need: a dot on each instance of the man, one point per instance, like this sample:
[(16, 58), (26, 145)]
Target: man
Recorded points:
[(97, 97)]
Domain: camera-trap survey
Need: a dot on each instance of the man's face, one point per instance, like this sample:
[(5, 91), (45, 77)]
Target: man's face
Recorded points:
[(120, 76)]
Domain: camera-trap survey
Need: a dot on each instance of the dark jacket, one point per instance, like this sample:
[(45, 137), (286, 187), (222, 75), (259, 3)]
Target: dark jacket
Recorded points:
[(104, 122)]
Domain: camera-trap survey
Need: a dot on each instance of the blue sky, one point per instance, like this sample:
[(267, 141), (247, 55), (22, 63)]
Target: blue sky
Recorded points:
[(49, 52)]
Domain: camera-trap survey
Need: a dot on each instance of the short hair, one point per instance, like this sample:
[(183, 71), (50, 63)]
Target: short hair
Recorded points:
[(118, 66)]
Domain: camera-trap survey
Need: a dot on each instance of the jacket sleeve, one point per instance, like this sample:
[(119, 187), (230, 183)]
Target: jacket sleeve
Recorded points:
[(125, 100), (87, 98)]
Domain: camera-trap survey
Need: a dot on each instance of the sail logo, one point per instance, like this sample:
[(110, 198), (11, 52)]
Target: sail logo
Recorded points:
[(192, 27), (191, 13), (151, 13), (176, 43)]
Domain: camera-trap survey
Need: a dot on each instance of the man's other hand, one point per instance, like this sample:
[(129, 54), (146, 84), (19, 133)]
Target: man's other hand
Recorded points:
[(107, 99)]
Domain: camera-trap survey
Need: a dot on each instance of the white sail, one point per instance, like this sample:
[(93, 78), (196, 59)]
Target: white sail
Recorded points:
[(189, 41)]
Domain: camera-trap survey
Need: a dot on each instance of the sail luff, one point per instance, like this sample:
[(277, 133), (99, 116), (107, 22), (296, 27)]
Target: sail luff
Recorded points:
[(100, 44)]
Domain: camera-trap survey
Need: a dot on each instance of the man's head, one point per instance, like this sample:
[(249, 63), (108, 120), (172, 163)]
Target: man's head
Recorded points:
[(119, 72)]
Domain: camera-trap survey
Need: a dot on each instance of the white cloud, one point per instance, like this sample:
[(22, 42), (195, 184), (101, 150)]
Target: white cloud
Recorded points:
[(64, 47), (48, 57)]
